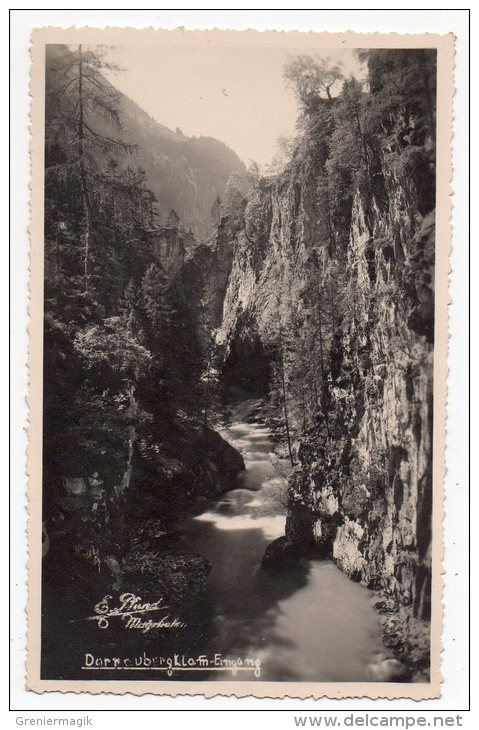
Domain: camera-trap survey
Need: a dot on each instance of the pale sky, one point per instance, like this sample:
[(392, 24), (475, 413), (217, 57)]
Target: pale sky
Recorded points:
[(235, 94)]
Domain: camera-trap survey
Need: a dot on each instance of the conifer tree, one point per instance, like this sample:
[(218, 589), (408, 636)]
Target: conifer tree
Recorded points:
[(216, 212), (173, 219), (234, 204), (80, 95)]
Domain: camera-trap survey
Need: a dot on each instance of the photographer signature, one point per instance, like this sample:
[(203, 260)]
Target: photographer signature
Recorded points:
[(131, 609)]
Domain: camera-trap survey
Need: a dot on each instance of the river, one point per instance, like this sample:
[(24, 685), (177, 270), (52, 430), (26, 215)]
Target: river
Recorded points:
[(310, 624)]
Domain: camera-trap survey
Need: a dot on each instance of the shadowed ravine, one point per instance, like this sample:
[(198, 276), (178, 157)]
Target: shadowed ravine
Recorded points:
[(311, 623)]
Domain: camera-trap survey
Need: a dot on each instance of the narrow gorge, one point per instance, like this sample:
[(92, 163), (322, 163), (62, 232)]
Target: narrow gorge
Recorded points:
[(250, 397)]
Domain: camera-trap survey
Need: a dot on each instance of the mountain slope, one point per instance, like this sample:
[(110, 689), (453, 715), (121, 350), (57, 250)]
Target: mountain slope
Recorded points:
[(185, 174)]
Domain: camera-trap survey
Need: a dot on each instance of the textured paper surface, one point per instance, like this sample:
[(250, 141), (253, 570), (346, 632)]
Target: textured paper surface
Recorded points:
[(308, 42)]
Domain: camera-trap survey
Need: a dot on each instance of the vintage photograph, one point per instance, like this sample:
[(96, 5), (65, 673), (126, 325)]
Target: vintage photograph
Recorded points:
[(238, 263)]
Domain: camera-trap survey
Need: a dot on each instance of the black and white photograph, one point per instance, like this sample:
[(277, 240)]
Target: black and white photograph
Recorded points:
[(238, 378)]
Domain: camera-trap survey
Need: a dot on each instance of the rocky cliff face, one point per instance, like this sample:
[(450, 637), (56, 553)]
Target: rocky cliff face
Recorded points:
[(367, 487), (206, 274), (170, 245), (361, 492)]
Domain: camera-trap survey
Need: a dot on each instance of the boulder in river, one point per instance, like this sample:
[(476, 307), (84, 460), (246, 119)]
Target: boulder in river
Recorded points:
[(222, 453), (281, 554)]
